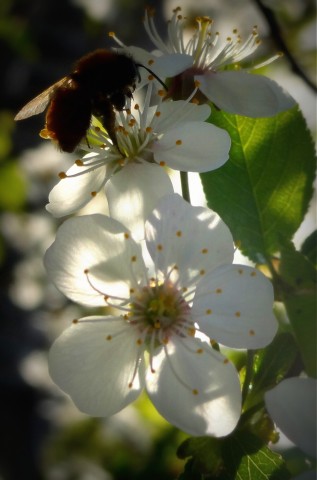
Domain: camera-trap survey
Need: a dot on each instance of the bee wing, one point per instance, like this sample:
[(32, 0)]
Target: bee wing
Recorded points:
[(39, 103)]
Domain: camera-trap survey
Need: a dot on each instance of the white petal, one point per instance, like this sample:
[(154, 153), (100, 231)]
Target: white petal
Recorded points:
[(193, 147), (245, 93), (172, 64), (95, 371), (193, 238), (233, 305), (292, 405), (174, 113), (71, 194), (97, 243), (197, 392), (134, 191)]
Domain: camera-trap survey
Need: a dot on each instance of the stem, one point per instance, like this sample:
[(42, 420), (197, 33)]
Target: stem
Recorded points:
[(185, 186), (248, 376)]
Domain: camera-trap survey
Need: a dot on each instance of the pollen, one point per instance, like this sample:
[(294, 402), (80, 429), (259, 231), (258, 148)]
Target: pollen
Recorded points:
[(93, 194), (253, 274), (139, 341), (208, 311), (75, 321), (251, 332), (197, 83), (159, 247), (219, 290), (132, 290), (157, 324), (179, 233), (240, 271), (109, 337), (204, 250), (195, 391), (150, 77), (162, 163), (226, 361), (126, 236), (202, 272), (178, 142), (149, 129), (191, 331), (62, 175), (161, 93), (150, 62), (238, 314), (199, 350), (158, 113), (133, 258)]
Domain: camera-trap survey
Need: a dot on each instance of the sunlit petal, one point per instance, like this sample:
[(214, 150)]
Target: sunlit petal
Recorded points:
[(193, 238), (234, 307), (133, 193), (178, 148), (71, 194), (94, 362), (100, 245), (243, 93), (195, 389)]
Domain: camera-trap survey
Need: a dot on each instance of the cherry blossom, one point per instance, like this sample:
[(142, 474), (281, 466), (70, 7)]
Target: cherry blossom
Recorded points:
[(168, 303)]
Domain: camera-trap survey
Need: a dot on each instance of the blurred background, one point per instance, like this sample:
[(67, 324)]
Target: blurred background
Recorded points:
[(43, 436)]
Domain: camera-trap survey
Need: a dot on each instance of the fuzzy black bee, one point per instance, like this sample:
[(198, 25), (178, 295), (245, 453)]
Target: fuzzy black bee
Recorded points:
[(99, 84)]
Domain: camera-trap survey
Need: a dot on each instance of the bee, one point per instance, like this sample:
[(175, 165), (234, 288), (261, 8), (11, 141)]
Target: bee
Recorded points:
[(99, 84)]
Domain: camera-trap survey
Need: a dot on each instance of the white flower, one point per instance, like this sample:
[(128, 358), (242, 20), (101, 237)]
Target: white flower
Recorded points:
[(292, 405), (213, 65), (171, 134), (164, 309)]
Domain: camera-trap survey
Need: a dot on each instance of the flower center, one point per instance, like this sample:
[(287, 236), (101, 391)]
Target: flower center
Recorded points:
[(160, 310)]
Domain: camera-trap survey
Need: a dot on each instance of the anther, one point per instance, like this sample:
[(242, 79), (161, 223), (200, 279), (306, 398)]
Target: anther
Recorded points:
[(62, 175)]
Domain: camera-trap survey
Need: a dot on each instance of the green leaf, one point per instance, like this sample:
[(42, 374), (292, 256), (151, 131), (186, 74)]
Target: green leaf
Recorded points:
[(299, 274), (265, 187), (247, 458), (205, 453), (309, 248), (241, 456), (296, 269), (301, 310), (271, 364)]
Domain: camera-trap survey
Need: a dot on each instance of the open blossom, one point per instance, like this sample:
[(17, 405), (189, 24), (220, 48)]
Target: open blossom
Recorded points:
[(169, 306), (168, 134), (216, 66)]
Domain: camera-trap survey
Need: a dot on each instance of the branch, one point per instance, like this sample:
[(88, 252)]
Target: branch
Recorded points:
[(278, 39)]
